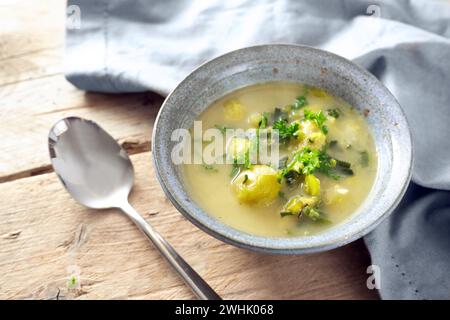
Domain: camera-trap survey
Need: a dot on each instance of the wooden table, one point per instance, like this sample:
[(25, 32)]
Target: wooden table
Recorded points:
[(44, 234)]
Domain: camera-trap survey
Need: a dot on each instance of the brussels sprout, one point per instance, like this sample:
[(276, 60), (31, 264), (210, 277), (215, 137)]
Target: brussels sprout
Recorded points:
[(258, 185), (317, 140), (310, 135)]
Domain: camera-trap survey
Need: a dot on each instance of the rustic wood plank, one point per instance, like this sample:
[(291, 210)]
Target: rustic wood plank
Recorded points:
[(29, 26), (34, 93), (31, 40), (34, 65), (34, 106), (43, 232)]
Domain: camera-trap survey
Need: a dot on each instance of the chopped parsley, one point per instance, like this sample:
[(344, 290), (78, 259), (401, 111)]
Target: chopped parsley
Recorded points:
[(334, 168), (301, 100), (335, 112), (307, 161), (313, 214), (264, 120), (318, 117), (285, 130), (327, 165)]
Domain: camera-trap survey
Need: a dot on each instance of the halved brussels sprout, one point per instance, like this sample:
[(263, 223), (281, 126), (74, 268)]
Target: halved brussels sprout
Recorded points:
[(258, 185), (310, 135)]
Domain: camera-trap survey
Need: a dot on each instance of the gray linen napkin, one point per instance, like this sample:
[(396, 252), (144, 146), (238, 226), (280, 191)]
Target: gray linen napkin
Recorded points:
[(136, 45)]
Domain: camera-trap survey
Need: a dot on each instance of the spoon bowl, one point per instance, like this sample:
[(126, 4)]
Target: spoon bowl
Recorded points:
[(98, 173), (93, 167)]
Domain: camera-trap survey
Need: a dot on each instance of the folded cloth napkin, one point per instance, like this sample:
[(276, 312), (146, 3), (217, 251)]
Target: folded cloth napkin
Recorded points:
[(136, 45)]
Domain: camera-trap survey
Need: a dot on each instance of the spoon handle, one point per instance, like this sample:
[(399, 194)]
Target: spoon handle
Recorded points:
[(201, 289)]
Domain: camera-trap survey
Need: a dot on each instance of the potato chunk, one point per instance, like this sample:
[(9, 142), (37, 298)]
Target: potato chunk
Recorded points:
[(258, 185), (233, 110), (312, 185)]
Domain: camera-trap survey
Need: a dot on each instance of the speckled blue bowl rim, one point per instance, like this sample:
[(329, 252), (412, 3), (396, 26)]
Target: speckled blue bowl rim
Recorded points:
[(396, 140)]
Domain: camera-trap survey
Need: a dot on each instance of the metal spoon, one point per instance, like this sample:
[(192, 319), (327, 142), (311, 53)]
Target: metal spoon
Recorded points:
[(98, 173)]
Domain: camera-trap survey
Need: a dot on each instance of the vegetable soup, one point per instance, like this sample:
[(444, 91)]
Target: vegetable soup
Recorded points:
[(325, 168)]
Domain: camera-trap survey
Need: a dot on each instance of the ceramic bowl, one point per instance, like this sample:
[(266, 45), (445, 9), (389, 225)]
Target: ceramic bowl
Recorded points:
[(291, 63)]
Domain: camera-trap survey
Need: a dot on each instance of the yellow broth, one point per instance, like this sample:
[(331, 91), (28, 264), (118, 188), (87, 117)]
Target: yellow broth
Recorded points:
[(211, 186)]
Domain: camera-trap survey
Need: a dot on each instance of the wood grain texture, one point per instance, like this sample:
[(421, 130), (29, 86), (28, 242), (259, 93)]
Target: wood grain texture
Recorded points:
[(31, 39), (128, 117), (31, 81), (43, 232)]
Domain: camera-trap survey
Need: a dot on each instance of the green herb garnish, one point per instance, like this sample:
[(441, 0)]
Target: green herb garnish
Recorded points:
[(318, 117), (305, 161), (301, 100), (334, 168), (313, 214), (327, 165), (285, 130), (264, 120), (335, 112)]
